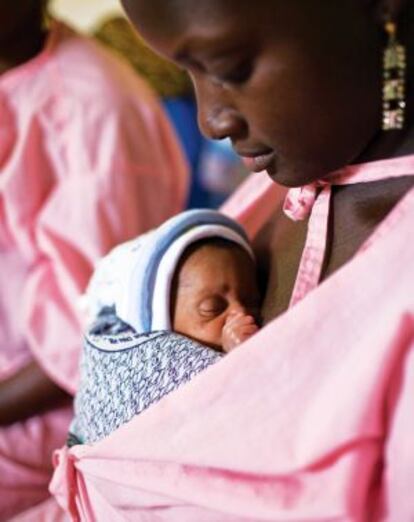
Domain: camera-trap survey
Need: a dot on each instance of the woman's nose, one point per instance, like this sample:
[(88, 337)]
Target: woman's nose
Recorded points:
[(217, 119), (221, 123)]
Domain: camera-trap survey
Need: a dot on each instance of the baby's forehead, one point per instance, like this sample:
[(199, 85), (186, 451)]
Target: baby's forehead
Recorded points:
[(208, 248), (205, 259)]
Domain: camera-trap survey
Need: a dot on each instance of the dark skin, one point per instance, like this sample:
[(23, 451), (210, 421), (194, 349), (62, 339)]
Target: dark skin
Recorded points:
[(30, 391), (296, 86)]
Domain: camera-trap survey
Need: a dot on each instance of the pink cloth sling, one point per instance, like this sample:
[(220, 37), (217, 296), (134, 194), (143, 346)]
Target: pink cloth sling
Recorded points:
[(309, 420), (88, 159)]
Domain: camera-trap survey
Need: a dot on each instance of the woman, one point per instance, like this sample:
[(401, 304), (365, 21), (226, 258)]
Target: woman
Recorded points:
[(311, 418), (87, 160)]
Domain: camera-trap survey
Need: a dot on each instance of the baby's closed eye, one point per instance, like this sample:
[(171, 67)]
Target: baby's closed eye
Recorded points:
[(212, 306)]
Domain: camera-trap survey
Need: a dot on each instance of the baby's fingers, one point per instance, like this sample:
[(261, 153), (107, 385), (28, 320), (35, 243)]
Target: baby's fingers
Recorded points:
[(248, 329), (239, 319), (234, 334)]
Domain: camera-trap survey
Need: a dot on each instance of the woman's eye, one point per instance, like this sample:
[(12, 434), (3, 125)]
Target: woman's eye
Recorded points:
[(237, 74)]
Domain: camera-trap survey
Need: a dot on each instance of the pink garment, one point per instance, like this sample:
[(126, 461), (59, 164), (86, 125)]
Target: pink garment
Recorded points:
[(309, 420), (87, 160), (47, 511), (254, 202), (305, 201)]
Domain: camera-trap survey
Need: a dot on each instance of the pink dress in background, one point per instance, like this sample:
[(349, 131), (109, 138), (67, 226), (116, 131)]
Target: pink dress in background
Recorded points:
[(87, 160), (310, 420)]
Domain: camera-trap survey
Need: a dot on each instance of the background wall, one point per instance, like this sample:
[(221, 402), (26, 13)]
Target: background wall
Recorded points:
[(85, 14)]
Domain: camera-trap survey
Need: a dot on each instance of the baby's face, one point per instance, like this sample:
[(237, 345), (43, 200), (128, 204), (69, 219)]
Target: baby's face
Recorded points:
[(213, 283)]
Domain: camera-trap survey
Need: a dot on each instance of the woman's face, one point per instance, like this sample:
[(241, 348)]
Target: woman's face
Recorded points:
[(295, 84)]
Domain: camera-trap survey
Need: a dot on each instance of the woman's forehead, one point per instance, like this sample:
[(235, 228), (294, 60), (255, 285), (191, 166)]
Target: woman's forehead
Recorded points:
[(210, 21), (187, 9), (171, 16), (173, 26)]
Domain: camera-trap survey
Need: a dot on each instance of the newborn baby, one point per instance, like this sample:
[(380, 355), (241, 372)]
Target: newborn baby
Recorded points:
[(168, 304)]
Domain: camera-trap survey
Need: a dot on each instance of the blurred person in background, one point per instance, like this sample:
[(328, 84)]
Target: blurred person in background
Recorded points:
[(87, 160)]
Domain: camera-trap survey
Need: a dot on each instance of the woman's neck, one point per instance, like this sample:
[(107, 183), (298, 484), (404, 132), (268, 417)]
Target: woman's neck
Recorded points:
[(391, 144), (356, 211)]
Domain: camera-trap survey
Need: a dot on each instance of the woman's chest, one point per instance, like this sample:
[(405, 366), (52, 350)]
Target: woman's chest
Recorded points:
[(280, 245)]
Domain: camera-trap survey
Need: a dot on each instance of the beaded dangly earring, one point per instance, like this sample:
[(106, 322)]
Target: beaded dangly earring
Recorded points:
[(393, 91)]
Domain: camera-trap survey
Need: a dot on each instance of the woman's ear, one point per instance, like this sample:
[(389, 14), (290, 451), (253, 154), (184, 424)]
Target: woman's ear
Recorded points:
[(387, 10), (391, 9)]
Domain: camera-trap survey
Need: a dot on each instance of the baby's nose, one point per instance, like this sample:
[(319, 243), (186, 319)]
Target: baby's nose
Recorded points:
[(236, 308)]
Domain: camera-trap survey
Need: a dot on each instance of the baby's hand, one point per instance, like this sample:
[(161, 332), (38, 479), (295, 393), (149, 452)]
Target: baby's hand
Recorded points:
[(237, 328)]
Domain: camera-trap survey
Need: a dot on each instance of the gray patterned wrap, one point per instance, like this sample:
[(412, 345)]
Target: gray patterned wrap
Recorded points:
[(123, 373)]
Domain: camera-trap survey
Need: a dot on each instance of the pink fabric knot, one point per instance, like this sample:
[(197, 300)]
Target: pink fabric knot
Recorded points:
[(299, 202), (63, 485)]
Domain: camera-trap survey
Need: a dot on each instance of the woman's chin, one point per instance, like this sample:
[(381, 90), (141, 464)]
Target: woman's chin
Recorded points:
[(292, 176)]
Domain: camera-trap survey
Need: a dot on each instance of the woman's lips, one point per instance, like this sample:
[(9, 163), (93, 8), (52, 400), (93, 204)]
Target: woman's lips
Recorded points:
[(261, 162)]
